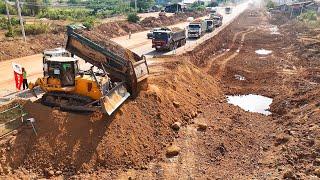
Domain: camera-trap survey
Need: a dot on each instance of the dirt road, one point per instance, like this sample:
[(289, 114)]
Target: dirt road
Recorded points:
[(143, 46), (139, 44)]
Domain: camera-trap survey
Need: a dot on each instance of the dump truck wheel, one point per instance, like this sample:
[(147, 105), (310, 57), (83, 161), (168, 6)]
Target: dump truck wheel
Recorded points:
[(171, 47)]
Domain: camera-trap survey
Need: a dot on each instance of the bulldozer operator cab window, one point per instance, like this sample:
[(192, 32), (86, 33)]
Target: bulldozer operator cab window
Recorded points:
[(65, 71), (68, 75)]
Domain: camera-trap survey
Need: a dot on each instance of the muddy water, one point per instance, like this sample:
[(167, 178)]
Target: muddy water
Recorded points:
[(274, 30), (239, 77), (263, 52), (252, 103)]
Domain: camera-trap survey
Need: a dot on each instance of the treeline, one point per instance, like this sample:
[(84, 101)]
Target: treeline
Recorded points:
[(75, 9), (85, 12)]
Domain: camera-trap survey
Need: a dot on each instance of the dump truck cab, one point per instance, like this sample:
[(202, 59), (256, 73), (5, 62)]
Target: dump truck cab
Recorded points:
[(210, 25), (217, 21), (168, 39), (228, 10), (196, 29), (161, 39)]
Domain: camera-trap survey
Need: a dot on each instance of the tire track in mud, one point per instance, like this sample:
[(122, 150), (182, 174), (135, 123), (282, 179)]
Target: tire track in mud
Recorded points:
[(184, 166), (222, 59)]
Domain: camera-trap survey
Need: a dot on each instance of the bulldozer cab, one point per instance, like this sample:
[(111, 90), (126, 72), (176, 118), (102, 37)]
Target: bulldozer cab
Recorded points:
[(63, 68), (57, 52)]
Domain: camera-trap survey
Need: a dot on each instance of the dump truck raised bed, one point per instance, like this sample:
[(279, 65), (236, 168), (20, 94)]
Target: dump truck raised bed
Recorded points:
[(168, 39), (118, 72)]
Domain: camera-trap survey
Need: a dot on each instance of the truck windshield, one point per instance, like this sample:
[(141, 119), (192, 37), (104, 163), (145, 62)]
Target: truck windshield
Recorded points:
[(194, 26), (160, 35), (209, 23)]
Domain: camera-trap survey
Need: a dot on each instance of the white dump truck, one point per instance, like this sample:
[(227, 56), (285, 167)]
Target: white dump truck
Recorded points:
[(196, 29)]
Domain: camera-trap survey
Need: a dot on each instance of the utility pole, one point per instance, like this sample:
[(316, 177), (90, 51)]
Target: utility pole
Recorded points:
[(135, 5), (8, 14), (21, 21)]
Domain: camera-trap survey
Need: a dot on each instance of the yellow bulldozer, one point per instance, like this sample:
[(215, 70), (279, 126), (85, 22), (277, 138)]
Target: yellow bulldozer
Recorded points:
[(112, 78)]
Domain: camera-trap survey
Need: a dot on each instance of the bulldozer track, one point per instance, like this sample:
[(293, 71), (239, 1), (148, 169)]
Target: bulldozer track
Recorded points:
[(74, 102)]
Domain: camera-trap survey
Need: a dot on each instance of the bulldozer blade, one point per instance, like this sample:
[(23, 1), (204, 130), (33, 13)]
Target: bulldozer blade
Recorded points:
[(141, 69), (114, 98)]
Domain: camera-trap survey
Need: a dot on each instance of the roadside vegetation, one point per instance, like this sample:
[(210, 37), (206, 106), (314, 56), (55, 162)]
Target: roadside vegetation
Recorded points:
[(64, 13), (310, 19), (198, 6), (133, 17), (77, 11), (270, 4)]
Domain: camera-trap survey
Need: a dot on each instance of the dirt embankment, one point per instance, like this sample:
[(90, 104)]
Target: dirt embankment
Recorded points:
[(134, 136), (122, 28), (290, 75), (215, 140), (15, 48)]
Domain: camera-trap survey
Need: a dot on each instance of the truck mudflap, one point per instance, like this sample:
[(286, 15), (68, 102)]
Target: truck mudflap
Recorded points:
[(141, 69), (114, 98)]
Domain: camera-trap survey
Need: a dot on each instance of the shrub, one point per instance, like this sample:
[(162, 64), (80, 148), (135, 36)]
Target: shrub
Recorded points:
[(313, 24), (270, 4), (104, 13), (4, 22), (63, 13), (89, 22), (201, 8), (34, 29), (12, 9), (308, 16), (10, 32), (133, 17)]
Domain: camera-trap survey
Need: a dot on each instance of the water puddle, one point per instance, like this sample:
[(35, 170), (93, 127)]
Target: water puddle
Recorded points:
[(251, 103), (274, 30), (263, 52), (239, 77)]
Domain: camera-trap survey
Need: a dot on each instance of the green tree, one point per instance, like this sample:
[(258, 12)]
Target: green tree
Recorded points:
[(133, 17), (74, 1), (12, 9), (33, 7), (270, 4), (145, 4), (199, 6), (308, 16)]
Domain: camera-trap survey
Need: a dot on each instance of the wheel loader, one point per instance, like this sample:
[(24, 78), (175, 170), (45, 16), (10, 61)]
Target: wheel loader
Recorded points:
[(112, 78)]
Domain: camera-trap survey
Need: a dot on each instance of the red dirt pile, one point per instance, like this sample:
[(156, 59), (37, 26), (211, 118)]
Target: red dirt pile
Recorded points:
[(16, 48), (121, 28), (135, 135)]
